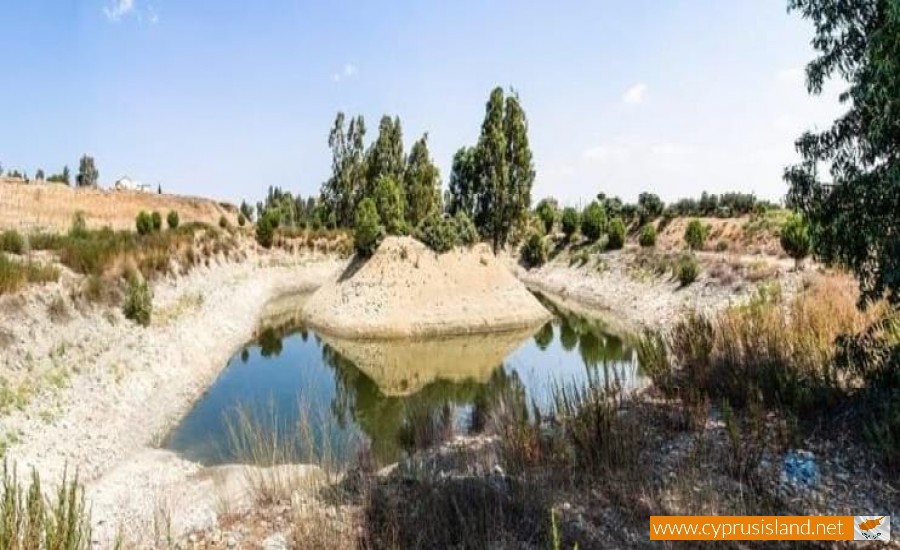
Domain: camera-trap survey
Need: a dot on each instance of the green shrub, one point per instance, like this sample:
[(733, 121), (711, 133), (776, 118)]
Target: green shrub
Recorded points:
[(616, 234), (438, 233), (33, 519), (265, 229), (546, 211), (172, 219), (647, 238), (534, 253), (687, 270), (223, 222), (722, 246), (593, 222), (156, 219), (466, 232), (12, 241), (242, 220), (389, 203), (694, 235), (143, 223), (368, 230), (138, 304), (795, 238), (570, 221)]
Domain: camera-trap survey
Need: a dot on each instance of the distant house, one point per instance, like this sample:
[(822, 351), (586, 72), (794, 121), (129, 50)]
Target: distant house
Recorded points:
[(127, 184)]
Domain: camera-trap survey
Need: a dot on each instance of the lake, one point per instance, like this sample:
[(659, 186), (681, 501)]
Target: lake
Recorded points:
[(389, 397)]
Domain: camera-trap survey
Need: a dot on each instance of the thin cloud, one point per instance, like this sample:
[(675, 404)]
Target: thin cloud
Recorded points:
[(635, 94), (118, 9), (348, 71)]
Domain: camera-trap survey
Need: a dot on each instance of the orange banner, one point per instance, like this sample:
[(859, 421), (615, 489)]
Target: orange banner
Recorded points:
[(751, 527)]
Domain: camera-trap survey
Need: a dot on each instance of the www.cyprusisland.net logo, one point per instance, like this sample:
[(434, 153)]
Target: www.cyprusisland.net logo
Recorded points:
[(872, 528)]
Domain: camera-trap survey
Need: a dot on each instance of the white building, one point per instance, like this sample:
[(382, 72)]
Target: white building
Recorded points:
[(127, 184)]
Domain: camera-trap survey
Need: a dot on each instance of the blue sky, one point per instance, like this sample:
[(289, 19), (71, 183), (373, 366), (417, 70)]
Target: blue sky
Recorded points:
[(226, 97)]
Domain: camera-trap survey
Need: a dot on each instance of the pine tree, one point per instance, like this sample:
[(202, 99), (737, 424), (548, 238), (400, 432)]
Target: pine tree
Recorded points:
[(422, 184)]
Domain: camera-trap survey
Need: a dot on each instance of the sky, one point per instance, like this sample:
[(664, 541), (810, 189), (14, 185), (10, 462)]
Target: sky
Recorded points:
[(224, 98)]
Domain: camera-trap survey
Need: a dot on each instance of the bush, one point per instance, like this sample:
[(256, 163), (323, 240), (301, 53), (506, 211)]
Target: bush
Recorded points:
[(534, 253), (687, 270), (570, 221), (593, 221), (144, 223), (156, 218), (546, 211), (242, 221), (138, 304), (438, 233), (368, 231), (12, 241), (616, 234), (466, 232), (172, 219), (265, 229), (223, 222), (647, 238), (795, 238), (694, 235), (33, 519)]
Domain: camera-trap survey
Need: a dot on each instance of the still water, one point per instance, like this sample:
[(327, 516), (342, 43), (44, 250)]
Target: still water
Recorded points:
[(375, 394)]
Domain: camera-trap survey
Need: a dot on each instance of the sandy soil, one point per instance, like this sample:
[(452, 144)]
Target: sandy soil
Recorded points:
[(107, 391), (405, 290), (51, 206)]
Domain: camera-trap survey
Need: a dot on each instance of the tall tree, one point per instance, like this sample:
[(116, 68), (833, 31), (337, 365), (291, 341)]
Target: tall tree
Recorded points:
[(505, 169), (65, 175), (521, 166), (342, 190), (87, 172), (464, 181), (422, 184), (493, 171), (855, 220), (385, 157)]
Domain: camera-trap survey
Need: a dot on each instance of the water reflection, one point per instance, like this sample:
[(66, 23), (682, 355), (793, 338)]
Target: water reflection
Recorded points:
[(399, 395)]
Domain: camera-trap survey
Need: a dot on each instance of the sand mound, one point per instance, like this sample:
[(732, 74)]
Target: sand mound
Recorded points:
[(405, 289)]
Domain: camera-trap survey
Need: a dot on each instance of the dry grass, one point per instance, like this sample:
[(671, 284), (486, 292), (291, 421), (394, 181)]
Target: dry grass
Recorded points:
[(782, 349), (16, 274), (50, 207)]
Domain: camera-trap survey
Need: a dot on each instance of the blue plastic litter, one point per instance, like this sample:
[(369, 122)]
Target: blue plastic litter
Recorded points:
[(799, 468)]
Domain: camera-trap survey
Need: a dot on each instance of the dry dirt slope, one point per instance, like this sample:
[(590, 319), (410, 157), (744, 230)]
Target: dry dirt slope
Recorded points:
[(50, 206)]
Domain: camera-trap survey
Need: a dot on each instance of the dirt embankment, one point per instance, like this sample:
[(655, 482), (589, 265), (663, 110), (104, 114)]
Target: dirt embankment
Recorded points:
[(51, 207), (96, 393), (634, 288), (406, 290)]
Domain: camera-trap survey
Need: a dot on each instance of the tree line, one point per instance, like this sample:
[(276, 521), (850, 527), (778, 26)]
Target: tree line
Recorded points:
[(87, 176)]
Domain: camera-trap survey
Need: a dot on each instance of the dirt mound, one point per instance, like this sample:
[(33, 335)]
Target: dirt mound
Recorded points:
[(405, 289), (51, 206)]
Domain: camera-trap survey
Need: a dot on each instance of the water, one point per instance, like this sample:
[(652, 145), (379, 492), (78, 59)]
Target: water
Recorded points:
[(376, 394)]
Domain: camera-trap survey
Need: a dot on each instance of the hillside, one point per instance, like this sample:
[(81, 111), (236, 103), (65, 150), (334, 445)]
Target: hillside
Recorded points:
[(51, 206)]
